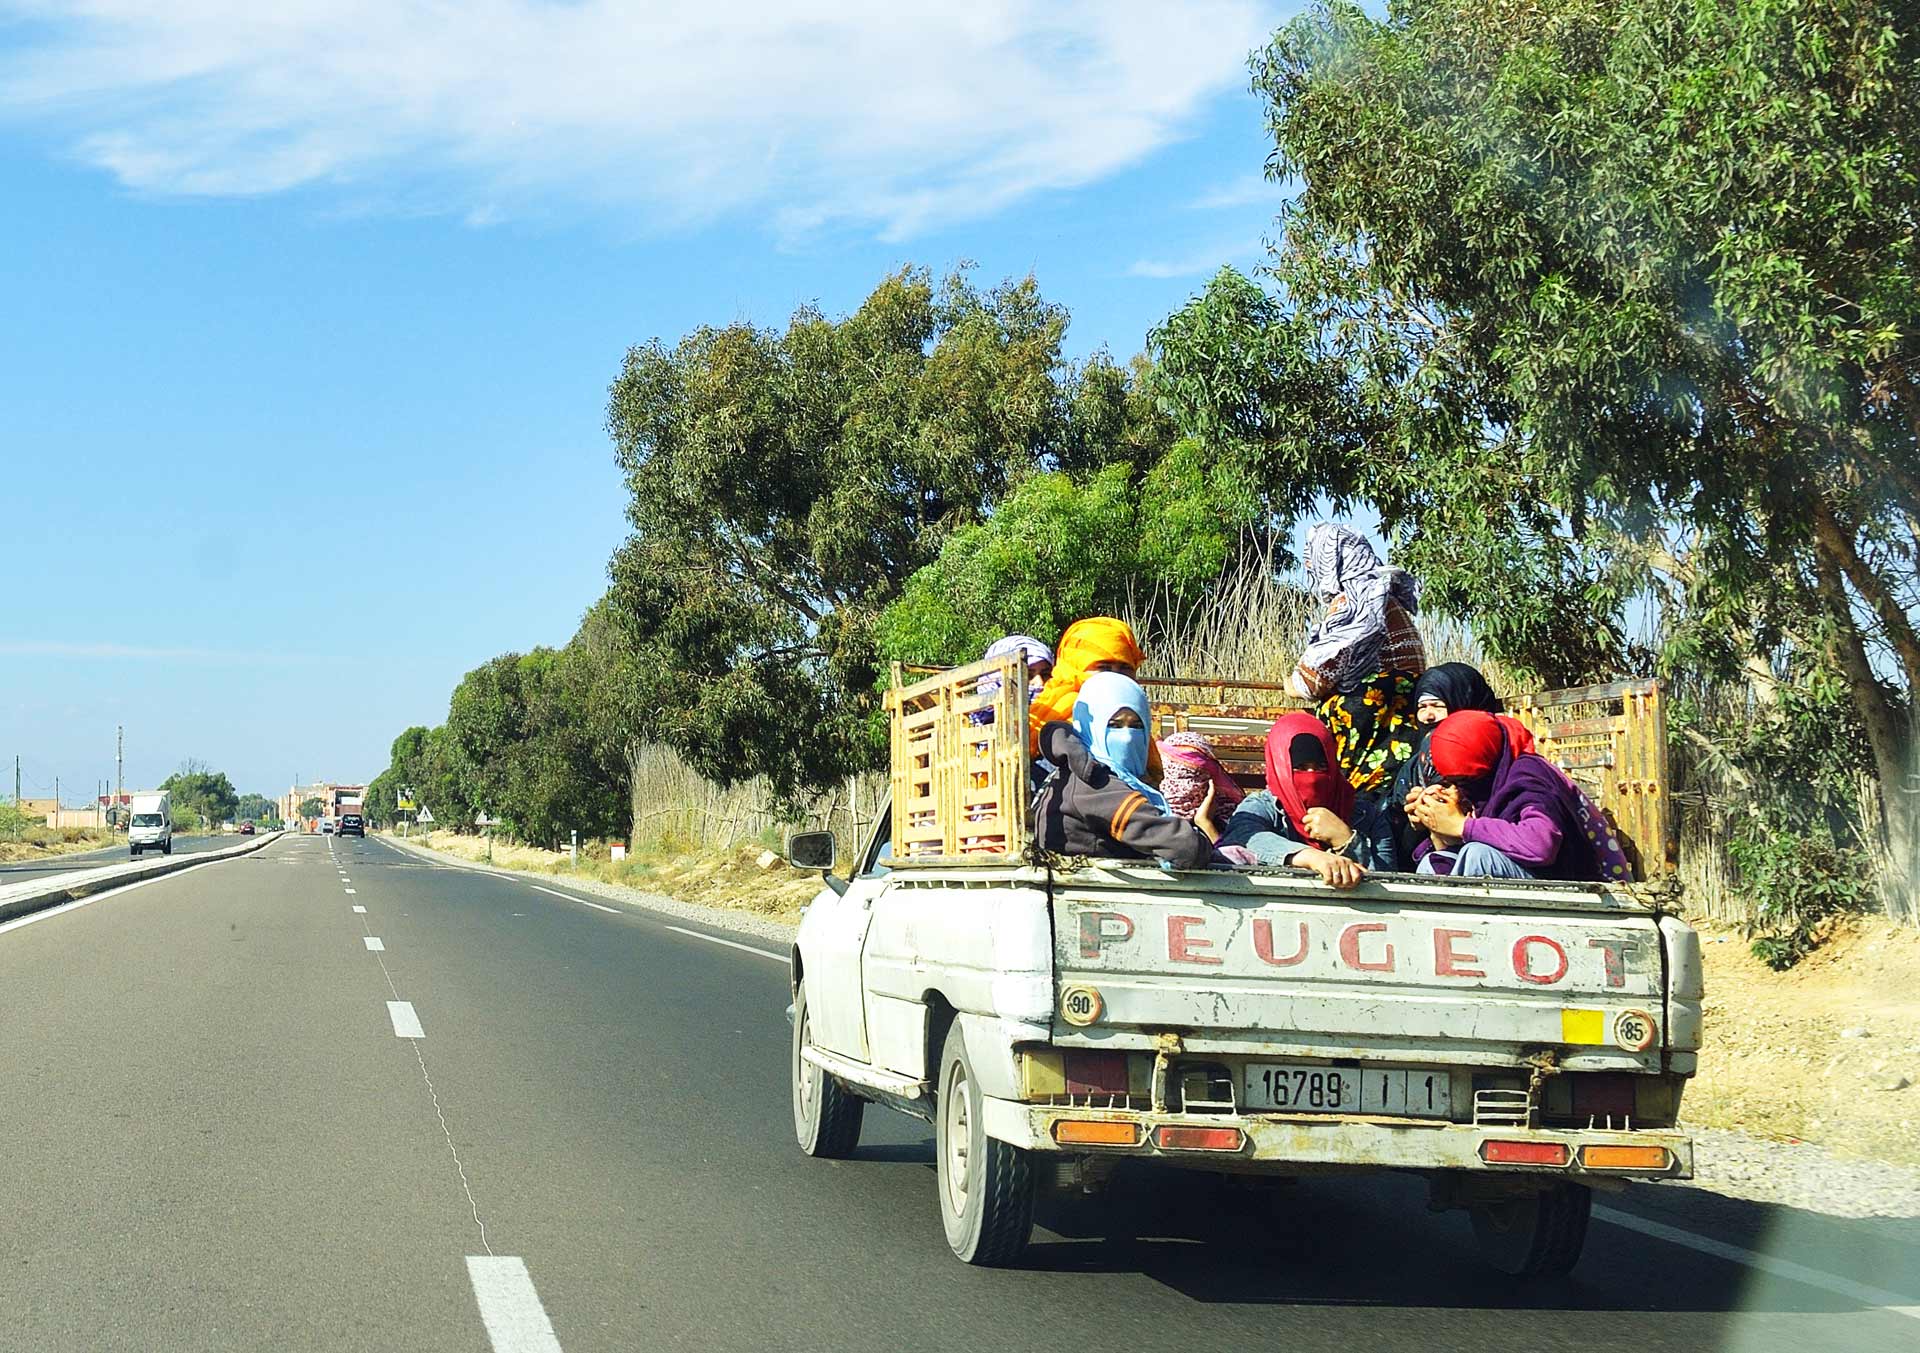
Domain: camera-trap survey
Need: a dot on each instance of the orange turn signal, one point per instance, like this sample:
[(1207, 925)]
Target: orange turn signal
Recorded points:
[(1172, 1138), (1095, 1132), (1625, 1157)]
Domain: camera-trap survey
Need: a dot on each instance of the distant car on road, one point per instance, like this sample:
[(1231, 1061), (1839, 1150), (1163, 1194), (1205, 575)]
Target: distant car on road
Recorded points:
[(326, 826), (246, 829), (353, 824)]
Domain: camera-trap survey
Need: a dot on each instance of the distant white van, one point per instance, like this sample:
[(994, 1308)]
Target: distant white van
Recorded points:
[(152, 826)]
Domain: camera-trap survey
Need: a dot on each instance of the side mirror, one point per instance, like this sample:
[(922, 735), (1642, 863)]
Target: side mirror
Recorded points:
[(812, 850)]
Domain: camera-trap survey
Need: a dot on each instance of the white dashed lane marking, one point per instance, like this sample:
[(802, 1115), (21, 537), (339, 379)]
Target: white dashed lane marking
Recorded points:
[(360, 909), (374, 943), (352, 893), (509, 1307), (406, 1024)]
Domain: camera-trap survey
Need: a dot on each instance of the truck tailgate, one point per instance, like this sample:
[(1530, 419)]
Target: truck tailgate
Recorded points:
[(1268, 964)]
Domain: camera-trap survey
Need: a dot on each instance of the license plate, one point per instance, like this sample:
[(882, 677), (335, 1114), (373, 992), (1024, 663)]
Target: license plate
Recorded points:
[(1284, 1088)]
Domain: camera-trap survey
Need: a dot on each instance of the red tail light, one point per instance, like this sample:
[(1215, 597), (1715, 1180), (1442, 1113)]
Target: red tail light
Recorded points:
[(1172, 1138), (1095, 1073), (1525, 1153)]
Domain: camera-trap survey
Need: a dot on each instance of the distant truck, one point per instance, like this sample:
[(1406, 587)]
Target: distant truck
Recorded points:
[(1517, 1044), (151, 827)]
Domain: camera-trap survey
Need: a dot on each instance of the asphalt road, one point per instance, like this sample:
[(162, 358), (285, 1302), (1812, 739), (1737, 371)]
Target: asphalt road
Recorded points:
[(215, 1139), (20, 870)]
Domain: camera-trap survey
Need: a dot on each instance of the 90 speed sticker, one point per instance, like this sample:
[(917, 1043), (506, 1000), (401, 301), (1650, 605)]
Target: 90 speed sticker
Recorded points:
[(1080, 1006), (1635, 1030)]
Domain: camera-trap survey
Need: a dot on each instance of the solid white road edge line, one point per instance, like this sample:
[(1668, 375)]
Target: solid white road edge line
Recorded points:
[(569, 897), (374, 943), (731, 944), (1779, 1268), (509, 1307), (406, 1024), (360, 909), (88, 901)]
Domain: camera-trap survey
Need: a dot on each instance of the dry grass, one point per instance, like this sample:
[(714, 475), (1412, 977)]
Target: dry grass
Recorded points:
[(730, 878), (45, 843)]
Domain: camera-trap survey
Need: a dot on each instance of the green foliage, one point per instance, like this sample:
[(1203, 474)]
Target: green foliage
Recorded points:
[(255, 808), (1796, 885), (187, 819), (202, 794), (311, 807), (1593, 302), (785, 484), (1057, 549), (13, 822)]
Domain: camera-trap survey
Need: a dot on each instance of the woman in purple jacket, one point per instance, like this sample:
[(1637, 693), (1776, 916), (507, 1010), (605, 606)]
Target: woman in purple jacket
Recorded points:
[(1505, 814)]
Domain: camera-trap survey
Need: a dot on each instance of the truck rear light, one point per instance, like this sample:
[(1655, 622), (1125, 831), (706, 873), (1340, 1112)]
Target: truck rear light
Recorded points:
[(1524, 1153), (1096, 1073), (1625, 1157), (1173, 1138), (1095, 1132)]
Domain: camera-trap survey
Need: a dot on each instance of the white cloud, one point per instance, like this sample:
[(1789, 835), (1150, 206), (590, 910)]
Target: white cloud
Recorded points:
[(1198, 262), (1246, 191), (893, 116)]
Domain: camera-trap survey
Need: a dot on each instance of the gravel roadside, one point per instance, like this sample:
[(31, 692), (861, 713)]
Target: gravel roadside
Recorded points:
[(1726, 1161)]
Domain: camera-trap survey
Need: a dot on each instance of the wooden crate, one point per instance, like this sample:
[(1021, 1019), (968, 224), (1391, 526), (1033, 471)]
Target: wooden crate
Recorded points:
[(1612, 741), (961, 787)]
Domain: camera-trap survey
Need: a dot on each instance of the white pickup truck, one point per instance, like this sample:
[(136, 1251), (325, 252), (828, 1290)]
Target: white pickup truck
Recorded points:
[(1517, 1043)]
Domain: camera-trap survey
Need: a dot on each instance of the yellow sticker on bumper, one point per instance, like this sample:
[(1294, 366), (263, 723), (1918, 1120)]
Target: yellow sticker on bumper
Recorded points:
[(1583, 1026)]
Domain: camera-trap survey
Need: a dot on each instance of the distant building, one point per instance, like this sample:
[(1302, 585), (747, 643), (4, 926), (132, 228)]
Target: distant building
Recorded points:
[(328, 793)]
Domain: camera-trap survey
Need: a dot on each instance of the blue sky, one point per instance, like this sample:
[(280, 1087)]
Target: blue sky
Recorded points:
[(309, 321)]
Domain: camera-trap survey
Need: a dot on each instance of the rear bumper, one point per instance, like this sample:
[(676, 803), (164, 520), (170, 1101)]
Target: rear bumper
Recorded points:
[(1274, 1143)]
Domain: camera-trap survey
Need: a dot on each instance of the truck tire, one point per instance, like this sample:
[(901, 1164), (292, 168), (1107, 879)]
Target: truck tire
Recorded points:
[(1535, 1237), (167, 849), (985, 1186), (134, 851), (826, 1115)]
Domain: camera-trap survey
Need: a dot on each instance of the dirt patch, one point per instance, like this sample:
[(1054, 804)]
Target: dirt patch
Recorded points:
[(1826, 1052)]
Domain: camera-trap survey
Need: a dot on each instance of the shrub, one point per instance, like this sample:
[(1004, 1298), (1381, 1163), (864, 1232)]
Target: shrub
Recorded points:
[(1796, 886)]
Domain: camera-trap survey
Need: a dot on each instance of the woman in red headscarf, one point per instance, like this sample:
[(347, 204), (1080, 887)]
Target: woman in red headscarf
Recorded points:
[(1311, 817), (1499, 811)]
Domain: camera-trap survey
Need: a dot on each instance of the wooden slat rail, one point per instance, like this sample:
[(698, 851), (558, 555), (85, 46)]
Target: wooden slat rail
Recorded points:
[(961, 789)]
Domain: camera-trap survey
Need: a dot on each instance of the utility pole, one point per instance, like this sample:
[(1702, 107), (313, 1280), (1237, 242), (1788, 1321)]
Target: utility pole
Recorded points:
[(119, 763), (16, 779)]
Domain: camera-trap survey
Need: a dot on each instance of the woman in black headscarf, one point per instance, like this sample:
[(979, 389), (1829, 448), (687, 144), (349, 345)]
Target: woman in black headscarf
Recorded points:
[(1440, 691)]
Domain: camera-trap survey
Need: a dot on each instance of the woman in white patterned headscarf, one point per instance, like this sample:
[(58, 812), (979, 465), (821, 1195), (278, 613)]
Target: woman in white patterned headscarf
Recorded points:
[(1363, 656)]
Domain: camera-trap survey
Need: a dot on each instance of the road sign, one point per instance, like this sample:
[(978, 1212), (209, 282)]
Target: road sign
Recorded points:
[(426, 815), (484, 821), (407, 805)]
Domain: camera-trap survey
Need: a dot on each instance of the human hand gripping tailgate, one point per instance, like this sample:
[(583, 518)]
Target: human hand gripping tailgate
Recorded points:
[(1438, 973)]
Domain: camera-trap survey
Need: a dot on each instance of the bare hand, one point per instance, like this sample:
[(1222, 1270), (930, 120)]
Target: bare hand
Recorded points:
[(1336, 871), (1443, 810), (1325, 826), (1203, 816)]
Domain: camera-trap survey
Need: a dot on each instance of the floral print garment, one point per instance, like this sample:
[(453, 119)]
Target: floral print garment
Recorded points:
[(1374, 732)]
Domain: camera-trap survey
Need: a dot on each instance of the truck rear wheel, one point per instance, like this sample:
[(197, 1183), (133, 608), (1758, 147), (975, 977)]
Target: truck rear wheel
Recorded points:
[(1539, 1236), (985, 1186), (826, 1115)]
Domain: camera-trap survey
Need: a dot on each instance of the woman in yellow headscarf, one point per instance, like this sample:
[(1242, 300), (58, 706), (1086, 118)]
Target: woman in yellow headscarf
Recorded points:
[(1098, 644)]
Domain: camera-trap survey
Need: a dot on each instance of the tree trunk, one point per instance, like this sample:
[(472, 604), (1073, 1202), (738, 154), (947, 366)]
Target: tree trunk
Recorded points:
[(1889, 731)]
